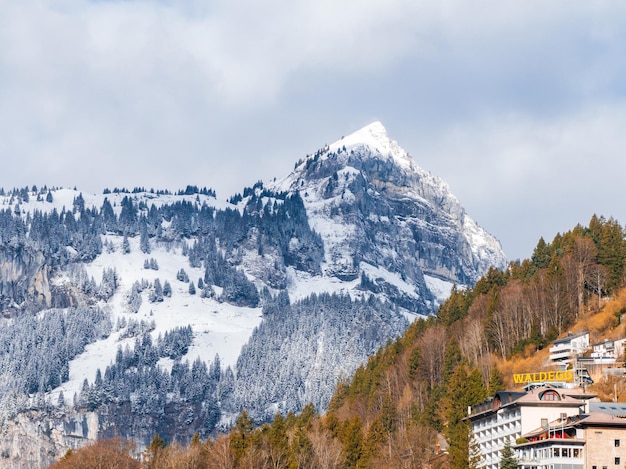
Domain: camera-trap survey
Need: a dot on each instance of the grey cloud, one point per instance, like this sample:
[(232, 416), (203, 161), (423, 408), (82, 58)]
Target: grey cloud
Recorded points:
[(507, 102)]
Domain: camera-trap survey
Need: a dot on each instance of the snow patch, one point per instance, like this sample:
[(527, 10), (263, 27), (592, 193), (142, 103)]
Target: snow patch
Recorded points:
[(439, 288), (218, 328)]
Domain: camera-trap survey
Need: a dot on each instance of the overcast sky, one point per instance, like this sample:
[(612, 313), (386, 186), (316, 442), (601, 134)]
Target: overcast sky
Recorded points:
[(519, 106)]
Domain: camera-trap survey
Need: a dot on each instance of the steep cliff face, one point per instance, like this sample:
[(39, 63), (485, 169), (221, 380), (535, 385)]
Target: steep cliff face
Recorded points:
[(377, 210), (36, 439), (24, 278)]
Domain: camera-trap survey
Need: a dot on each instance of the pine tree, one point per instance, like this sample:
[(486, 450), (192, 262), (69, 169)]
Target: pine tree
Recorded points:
[(451, 359), (302, 449), (465, 388), (167, 289), (278, 442), (241, 436), (507, 457), (352, 439), (125, 245), (144, 240), (475, 456), (61, 400), (455, 307), (158, 290), (388, 414), (375, 437), (496, 382), (541, 255), (612, 252), (154, 452), (182, 276)]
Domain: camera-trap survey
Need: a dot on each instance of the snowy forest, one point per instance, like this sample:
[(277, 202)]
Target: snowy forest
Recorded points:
[(151, 387), (56, 239)]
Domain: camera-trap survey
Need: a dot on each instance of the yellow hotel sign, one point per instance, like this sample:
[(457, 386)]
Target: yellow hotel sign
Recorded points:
[(541, 376)]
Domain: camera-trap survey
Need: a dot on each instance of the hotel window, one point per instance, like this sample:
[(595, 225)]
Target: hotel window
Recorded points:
[(617, 461), (550, 396), (616, 443)]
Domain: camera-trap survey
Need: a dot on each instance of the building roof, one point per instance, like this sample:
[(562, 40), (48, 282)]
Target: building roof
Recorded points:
[(497, 401), (569, 337), (606, 342), (580, 393), (609, 342), (561, 424), (537, 397), (617, 409), (601, 419)]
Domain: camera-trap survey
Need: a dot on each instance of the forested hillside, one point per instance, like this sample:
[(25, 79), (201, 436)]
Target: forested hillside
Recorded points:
[(264, 301), (390, 412), (442, 365)]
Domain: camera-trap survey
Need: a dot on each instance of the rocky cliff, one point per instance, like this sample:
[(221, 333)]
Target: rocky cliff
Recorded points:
[(382, 216)]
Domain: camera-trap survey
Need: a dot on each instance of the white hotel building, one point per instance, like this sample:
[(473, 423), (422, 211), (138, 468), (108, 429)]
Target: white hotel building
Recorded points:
[(508, 415)]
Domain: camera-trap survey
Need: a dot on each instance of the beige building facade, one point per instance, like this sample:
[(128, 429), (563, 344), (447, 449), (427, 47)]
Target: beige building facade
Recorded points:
[(605, 438)]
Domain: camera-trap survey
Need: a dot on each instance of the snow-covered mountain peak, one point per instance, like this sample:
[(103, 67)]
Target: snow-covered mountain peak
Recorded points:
[(374, 137), (381, 215)]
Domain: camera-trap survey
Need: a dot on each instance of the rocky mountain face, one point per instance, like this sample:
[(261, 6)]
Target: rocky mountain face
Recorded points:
[(201, 308), (36, 439), (383, 217)]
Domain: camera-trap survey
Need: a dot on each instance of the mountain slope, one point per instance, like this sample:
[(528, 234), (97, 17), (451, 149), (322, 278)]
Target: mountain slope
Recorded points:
[(263, 301), (390, 230), (377, 211)]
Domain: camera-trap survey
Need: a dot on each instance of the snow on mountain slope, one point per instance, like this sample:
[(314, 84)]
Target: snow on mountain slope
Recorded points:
[(373, 205), (292, 275), (63, 199), (219, 328), (381, 217), (374, 136)]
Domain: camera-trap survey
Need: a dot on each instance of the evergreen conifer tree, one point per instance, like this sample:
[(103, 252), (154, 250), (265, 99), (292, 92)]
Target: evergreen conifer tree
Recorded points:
[(541, 255), (241, 436), (154, 452), (507, 457), (475, 456), (352, 439), (167, 289), (465, 388), (278, 442), (144, 240), (496, 383)]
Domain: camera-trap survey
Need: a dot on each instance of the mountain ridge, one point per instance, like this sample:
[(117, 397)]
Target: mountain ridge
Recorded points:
[(373, 166), (341, 254)]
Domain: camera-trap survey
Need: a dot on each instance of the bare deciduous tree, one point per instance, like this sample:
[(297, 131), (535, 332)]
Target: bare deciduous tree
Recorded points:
[(433, 348)]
